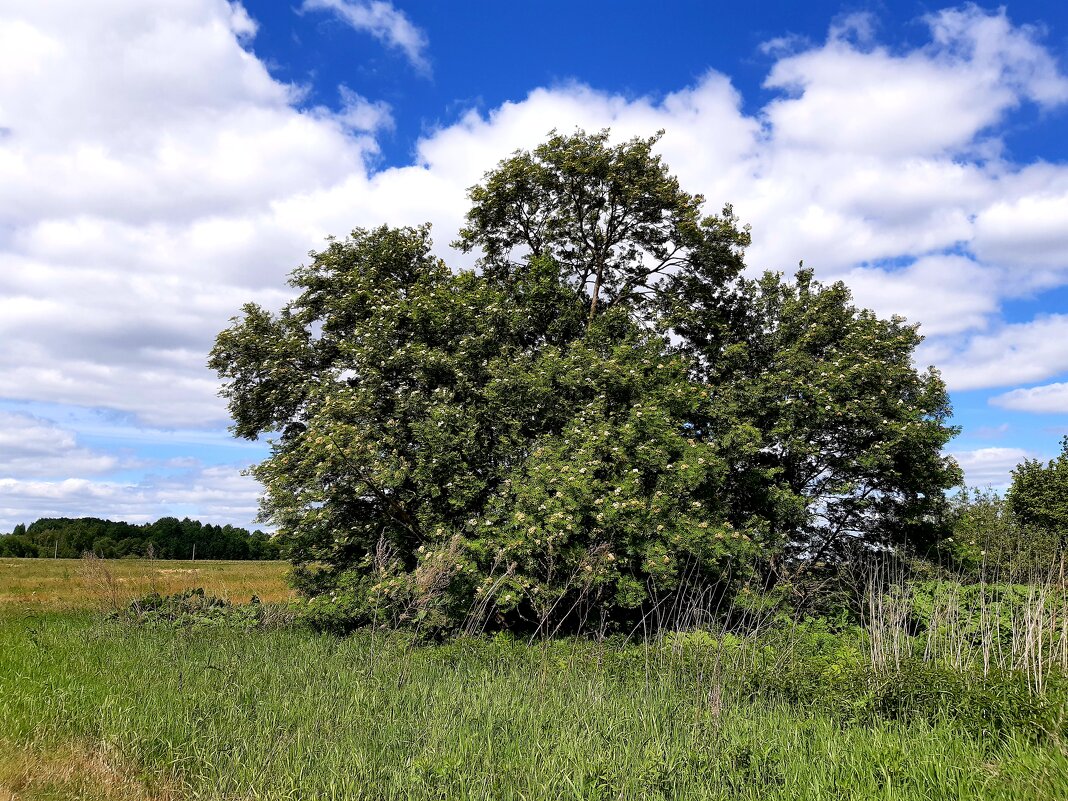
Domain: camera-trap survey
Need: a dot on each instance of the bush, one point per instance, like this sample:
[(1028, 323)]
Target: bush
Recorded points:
[(811, 663), (194, 608), (992, 539)]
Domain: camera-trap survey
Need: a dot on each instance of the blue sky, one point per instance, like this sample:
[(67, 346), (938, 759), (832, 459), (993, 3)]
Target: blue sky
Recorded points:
[(160, 168)]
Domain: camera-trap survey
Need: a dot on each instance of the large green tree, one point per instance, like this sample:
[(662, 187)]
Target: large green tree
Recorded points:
[(605, 420), (847, 434), (834, 438), (462, 448)]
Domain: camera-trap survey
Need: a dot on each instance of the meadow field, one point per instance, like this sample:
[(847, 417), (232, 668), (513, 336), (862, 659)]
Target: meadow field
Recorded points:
[(223, 703), (103, 583)]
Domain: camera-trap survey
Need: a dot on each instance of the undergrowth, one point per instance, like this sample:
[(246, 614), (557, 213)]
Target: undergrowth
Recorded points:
[(193, 607), (202, 702)]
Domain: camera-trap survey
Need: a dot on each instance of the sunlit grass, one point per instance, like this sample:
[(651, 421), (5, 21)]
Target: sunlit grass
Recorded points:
[(100, 583), (95, 707), (70, 771), (288, 714)]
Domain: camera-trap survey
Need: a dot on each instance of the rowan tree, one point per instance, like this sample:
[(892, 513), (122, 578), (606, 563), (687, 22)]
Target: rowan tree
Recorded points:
[(605, 420), (453, 447), (613, 218)]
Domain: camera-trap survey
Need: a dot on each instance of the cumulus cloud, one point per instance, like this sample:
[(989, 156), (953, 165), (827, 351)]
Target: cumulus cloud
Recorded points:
[(46, 471), (1009, 55), (1047, 399), (989, 466), (860, 99), (360, 114), (32, 446), (154, 176), (1013, 354), (1028, 231), (219, 494), (136, 189), (382, 21), (949, 294)]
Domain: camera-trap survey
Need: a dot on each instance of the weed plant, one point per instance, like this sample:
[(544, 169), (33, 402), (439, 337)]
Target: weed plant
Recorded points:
[(194, 607)]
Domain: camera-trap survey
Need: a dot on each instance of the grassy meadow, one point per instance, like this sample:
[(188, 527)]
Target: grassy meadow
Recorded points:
[(98, 706), (109, 583)]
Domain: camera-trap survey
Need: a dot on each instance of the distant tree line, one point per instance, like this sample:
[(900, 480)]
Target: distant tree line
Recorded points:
[(167, 538)]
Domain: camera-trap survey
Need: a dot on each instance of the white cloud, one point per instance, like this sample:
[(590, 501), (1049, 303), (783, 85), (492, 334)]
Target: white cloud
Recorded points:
[(31, 446), (1004, 53), (46, 472), (1026, 231), (1014, 354), (859, 26), (137, 186), (923, 102), (360, 114), (949, 294), (1047, 399), (989, 466), (381, 20), (211, 494)]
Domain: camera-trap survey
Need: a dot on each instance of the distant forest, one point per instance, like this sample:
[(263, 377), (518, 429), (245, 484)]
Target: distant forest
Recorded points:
[(167, 538)]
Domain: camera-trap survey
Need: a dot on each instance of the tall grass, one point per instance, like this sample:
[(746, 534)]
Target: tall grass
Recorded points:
[(946, 691), (985, 626), (288, 714)]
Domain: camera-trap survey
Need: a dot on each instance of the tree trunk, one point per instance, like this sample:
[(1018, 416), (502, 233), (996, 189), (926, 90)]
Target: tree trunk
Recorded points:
[(596, 292)]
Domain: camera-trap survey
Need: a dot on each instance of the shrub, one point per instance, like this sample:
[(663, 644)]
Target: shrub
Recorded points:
[(194, 608)]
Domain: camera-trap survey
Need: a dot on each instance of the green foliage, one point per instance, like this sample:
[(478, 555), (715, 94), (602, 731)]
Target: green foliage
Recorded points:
[(997, 704), (847, 435), (613, 218), (812, 663), (1038, 496), (211, 712), (1018, 537), (603, 420), (194, 608), (17, 545), (990, 541), (465, 447), (994, 615)]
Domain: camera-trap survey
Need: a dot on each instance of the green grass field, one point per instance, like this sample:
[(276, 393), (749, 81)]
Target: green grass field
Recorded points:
[(97, 708)]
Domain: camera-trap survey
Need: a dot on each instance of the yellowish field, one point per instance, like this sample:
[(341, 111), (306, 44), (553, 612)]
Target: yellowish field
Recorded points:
[(70, 771), (103, 583)]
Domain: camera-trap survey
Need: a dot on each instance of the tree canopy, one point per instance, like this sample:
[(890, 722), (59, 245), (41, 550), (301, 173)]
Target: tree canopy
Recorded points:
[(613, 218), (849, 433), (606, 420), (1038, 496)]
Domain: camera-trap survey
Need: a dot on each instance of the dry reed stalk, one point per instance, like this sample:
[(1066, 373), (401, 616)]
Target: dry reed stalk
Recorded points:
[(970, 634), (99, 581)]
